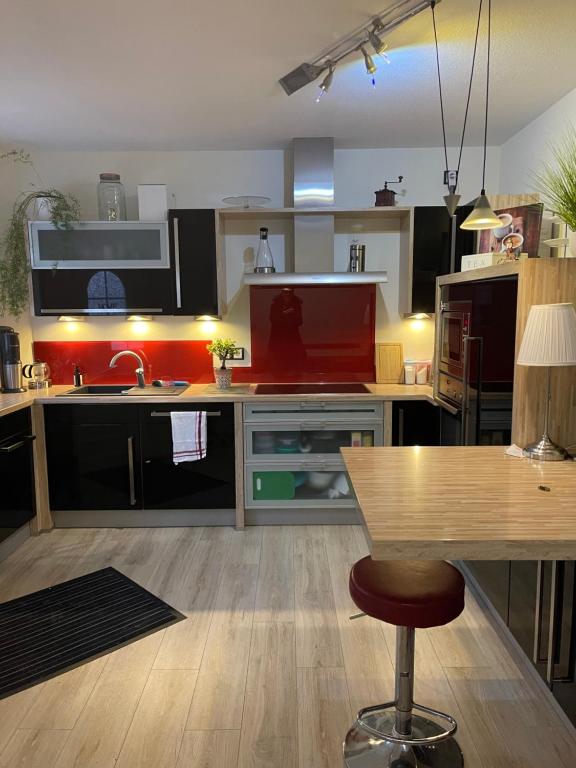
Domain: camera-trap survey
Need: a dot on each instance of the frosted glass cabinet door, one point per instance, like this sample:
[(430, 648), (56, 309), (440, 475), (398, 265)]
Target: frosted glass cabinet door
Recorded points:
[(100, 244), (306, 440)]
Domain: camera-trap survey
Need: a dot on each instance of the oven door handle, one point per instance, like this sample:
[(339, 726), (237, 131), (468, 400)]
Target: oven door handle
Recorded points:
[(447, 406), (466, 389)]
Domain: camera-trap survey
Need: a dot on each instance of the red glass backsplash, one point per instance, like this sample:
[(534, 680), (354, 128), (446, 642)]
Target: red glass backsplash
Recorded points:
[(313, 333), (186, 360)]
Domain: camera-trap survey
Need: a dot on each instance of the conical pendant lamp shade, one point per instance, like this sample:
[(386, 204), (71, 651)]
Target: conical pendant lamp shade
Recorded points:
[(451, 201), (482, 217)]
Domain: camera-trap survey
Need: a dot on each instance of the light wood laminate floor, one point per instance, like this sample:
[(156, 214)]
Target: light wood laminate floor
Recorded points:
[(267, 670)]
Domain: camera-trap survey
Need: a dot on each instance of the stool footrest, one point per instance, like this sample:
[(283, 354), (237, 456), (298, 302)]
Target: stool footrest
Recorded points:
[(401, 739)]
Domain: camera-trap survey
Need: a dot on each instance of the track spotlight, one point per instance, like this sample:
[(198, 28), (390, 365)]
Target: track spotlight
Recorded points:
[(371, 68), (376, 41), (326, 83)]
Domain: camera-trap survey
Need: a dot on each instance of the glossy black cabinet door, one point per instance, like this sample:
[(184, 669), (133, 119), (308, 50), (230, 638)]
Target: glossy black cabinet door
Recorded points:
[(415, 423), (17, 503), (93, 457), (90, 291), (493, 578), (193, 256), (205, 484), (431, 256)]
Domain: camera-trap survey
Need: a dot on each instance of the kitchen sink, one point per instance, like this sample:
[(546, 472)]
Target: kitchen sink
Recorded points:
[(123, 390)]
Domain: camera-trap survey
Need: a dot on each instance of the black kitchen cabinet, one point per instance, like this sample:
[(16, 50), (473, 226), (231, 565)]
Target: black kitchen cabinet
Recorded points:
[(415, 423), (119, 457), (17, 501), (93, 457), (493, 578), (205, 484), (102, 291), (434, 232), (193, 259)]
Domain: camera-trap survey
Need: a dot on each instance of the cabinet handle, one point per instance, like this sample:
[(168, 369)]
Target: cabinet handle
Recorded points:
[(19, 444), (308, 404), (318, 466), (131, 482), (400, 426), (177, 263), (167, 413)]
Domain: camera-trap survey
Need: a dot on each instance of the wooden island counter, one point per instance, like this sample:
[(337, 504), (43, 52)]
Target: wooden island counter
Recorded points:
[(463, 503)]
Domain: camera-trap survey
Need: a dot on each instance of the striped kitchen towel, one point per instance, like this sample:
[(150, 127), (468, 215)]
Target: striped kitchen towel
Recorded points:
[(188, 435)]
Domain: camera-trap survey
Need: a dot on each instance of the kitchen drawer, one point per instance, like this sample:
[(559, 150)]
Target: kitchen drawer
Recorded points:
[(15, 423), (296, 410), (296, 484), (307, 439)]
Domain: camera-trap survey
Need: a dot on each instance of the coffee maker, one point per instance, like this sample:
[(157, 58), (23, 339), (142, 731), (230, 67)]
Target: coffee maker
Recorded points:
[(10, 363)]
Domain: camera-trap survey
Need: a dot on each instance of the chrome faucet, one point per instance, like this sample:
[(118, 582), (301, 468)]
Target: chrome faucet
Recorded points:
[(139, 371)]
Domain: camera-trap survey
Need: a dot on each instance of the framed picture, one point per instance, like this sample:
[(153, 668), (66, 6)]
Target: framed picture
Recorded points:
[(519, 233)]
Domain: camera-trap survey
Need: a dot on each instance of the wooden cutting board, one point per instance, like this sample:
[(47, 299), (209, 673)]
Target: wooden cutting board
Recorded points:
[(389, 362)]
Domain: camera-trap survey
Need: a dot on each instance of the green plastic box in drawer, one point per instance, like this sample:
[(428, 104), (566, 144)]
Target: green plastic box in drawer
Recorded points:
[(274, 486)]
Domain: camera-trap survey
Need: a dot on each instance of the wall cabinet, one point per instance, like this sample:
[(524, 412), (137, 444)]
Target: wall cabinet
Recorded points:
[(120, 268), (17, 503), (119, 457), (415, 423), (198, 282)]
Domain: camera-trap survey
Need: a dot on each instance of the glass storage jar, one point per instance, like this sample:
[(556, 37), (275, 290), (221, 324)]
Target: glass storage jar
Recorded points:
[(111, 198)]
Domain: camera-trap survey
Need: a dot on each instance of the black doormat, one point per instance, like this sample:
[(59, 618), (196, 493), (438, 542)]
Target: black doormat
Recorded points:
[(55, 629)]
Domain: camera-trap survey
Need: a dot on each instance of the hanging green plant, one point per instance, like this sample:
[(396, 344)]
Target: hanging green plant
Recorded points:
[(14, 265)]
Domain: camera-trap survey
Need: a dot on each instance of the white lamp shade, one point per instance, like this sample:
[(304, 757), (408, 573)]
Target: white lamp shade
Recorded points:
[(550, 336)]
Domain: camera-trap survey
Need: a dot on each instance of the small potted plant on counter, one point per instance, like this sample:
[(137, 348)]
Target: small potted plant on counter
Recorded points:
[(224, 350)]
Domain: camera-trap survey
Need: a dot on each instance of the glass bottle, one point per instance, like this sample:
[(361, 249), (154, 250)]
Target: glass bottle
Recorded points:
[(264, 260), (111, 198)]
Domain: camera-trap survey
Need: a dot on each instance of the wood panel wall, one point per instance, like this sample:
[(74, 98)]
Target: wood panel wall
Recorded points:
[(544, 281)]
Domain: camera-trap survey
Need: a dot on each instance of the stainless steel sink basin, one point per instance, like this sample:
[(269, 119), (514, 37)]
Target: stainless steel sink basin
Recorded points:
[(122, 390)]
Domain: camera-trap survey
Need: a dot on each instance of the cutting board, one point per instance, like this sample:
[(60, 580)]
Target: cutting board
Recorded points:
[(389, 362)]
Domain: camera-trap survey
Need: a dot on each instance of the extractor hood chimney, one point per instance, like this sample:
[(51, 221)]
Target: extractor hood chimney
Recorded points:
[(313, 190)]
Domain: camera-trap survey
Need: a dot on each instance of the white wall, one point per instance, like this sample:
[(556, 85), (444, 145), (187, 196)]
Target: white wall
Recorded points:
[(202, 179), (525, 152)]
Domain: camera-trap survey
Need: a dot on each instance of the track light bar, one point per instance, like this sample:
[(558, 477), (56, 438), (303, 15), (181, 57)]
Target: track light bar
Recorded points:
[(369, 33)]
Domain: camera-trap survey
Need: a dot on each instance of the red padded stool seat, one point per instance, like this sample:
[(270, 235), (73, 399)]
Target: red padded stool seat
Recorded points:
[(408, 593)]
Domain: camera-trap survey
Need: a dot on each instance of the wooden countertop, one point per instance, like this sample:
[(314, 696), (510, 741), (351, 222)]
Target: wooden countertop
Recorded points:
[(208, 392), (463, 503)]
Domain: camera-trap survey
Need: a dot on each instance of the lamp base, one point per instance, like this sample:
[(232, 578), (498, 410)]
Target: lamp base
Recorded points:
[(546, 450)]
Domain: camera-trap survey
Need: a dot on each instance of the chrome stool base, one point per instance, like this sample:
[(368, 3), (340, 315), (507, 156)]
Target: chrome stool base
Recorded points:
[(364, 750)]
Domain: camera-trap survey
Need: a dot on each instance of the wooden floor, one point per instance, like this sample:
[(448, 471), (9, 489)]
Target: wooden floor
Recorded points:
[(267, 670)]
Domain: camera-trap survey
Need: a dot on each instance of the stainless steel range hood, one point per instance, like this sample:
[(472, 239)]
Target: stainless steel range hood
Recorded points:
[(313, 188)]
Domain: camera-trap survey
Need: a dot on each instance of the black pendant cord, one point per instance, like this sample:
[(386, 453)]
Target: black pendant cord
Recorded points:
[(432, 6), (470, 85), (487, 96)]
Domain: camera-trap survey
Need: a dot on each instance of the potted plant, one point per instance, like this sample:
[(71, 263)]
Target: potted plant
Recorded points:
[(224, 350), (44, 202), (557, 183)]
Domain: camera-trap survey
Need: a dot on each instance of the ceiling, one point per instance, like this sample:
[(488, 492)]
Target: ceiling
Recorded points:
[(180, 74)]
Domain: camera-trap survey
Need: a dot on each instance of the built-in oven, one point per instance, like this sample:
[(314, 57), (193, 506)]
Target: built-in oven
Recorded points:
[(454, 328), (17, 500)]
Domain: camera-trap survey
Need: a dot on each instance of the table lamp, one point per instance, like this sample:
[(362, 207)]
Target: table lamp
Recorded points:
[(549, 341)]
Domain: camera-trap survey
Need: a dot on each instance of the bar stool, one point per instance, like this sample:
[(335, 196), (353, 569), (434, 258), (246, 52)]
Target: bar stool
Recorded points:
[(408, 594)]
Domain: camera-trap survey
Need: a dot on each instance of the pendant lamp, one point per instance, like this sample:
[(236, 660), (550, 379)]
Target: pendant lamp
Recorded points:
[(482, 216)]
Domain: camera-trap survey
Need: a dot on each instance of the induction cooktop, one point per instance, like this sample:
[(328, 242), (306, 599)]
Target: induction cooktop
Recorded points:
[(324, 388)]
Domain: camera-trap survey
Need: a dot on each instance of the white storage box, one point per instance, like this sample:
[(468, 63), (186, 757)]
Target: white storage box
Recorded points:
[(152, 202)]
